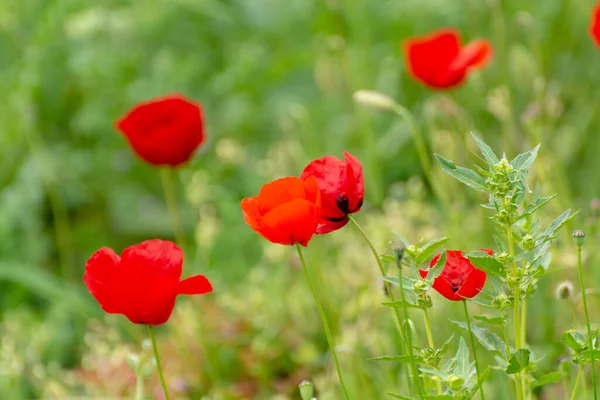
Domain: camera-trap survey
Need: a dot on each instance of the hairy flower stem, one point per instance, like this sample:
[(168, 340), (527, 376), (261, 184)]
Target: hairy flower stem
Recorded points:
[(158, 365), (479, 382), (391, 293), (587, 320), (324, 320), (516, 308), (438, 384), (169, 190)]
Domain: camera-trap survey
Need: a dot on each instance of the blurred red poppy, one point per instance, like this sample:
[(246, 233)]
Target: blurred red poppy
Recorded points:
[(459, 279), (164, 131), (286, 211), (438, 59), (143, 283), (342, 189), (595, 25)]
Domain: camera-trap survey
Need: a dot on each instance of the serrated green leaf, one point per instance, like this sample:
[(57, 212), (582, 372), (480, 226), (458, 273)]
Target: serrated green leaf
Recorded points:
[(446, 344), (562, 219), (400, 304), (464, 175), (518, 361), (535, 205), (482, 302), (486, 151), (429, 248), (434, 372), (552, 377), (494, 321), (407, 283), (461, 360), (524, 161), (437, 269), (488, 340), (486, 263)]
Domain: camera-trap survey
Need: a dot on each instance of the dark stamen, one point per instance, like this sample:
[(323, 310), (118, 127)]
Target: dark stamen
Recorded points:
[(342, 203)]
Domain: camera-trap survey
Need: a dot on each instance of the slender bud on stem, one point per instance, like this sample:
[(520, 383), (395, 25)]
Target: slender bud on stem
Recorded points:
[(564, 290), (578, 237), (307, 390)]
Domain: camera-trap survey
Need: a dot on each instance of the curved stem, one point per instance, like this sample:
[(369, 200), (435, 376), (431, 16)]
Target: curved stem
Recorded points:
[(324, 320), (579, 373), (158, 365), (399, 324), (587, 320), (171, 198), (474, 349), (438, 384), (139, 386)]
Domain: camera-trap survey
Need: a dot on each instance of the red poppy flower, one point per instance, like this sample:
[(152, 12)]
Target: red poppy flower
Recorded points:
[(440, 61), (286, 211), (459, 279), (595, 25), (165, 130), (143, 283), (342, 189)]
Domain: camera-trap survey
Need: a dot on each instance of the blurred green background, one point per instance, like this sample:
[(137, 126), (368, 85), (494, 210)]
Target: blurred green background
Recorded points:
[(276, 80)]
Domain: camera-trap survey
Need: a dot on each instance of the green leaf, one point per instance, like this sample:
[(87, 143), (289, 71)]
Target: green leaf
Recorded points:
[(388, 257), (523, 162), (437, 269), (562, 219), (482, 302), (465, 175), (440, 397), (461, 360), (518, 361), (484, 376), (552, 377), (429, 248), (535, 205), (488, 339), (398, 396), (486, 263), (402, 239), (405, 358), (434, 372), (494, 321), (446, 344), (486, 151), (407, 284), (574, 340), (400, 304)]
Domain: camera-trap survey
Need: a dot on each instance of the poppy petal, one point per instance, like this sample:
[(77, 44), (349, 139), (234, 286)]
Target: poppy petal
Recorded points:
[(475, 55), (99, 272), (251, 210), (290, 223), (355, 182), (595, 25), (325, 226), (197, 284), (473, 284), (280, 191)]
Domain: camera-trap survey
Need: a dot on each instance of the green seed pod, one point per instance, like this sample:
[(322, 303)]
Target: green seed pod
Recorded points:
[(578, 237), (307, 390), (528, 243), (455, 382)]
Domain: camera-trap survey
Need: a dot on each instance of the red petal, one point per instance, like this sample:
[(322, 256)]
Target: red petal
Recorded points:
[(251, 209), (279, 192), (429, 57), (197, 284), (355, 184), (325, 226), (147, 281), (330, 175), (99, 272), (472, 285), (475, 55), (595, 25), (290, 223)]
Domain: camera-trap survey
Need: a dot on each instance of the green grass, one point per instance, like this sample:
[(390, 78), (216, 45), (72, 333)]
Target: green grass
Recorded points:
[(276, 79)]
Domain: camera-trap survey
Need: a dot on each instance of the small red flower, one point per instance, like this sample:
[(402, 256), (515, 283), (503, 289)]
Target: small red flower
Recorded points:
[(342, 189), (459, 279), (438, 60), (286, 211), (595, 25), (143, 283), (164, 131)]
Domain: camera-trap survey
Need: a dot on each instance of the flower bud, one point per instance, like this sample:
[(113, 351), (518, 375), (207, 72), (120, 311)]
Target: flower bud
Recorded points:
[(374, 99), (503, 167), (527, 243), (564, 290), (578, 237), (306, 390), (455, 382)]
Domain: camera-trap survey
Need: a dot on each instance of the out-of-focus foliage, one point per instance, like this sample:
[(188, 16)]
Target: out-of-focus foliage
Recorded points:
[(276, 79)]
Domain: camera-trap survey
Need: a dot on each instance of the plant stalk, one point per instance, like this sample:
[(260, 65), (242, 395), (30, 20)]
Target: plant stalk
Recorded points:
[(157, 358), (480, 383)]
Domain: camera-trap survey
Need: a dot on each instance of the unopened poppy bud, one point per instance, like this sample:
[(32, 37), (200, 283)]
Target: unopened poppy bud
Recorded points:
[(564, 290), (398, 250), (455, 382), (306, 390), (578, 237), (133, 360), (374, 99)]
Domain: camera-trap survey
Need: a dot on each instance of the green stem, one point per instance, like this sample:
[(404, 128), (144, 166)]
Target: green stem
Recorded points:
[(389, 290), (579, 373), (480, 383), (171, 198), (516, 307), (420, 143), (324, 320), (438, 384), (139, 386), (157, 358), (587, 320)]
